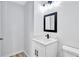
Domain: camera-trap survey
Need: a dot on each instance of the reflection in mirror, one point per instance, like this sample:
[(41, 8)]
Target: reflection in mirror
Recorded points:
[(52, 23), (48, 23)]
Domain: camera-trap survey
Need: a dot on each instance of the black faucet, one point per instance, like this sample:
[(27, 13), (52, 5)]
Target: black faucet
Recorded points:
[(47, 36)]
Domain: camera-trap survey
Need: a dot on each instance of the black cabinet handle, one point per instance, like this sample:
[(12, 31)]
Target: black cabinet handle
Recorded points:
[(36, 52)]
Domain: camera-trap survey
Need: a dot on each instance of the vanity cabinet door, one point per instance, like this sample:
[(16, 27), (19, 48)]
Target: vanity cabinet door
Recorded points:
[(51, 50), (38, 49)]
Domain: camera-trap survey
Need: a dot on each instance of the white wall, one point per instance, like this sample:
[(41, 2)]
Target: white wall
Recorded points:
[(0, 18), (13, 28), (68, 21), (38, 19), (0, 31), (29, 20)]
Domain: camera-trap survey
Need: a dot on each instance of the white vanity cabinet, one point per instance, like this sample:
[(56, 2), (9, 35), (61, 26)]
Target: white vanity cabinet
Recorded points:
[(44, 49)]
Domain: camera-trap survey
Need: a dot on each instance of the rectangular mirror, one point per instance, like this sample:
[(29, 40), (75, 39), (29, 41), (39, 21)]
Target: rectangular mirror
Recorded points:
[(50, 22)]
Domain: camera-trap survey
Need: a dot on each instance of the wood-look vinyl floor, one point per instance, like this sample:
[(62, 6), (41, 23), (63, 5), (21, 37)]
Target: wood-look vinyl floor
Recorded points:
[(22, 54)]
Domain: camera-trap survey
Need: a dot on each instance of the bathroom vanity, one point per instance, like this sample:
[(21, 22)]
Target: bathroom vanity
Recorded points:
[(44, 47)]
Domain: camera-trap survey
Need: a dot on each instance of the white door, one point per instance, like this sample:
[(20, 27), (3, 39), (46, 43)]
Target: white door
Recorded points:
[(0, 32), (0, 47), (51, 50), (38, 49)]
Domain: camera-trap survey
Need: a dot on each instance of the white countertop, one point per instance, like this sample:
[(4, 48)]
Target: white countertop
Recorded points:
[(45, 41)]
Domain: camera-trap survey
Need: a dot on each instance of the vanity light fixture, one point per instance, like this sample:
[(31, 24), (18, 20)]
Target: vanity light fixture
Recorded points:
[(49, 2), (49, 5)]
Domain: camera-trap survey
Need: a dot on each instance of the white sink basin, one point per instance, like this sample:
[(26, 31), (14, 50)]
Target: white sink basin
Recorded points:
[(45, 41)]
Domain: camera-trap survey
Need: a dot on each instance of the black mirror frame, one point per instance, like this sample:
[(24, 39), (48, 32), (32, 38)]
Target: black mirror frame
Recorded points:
[(55, 23)]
